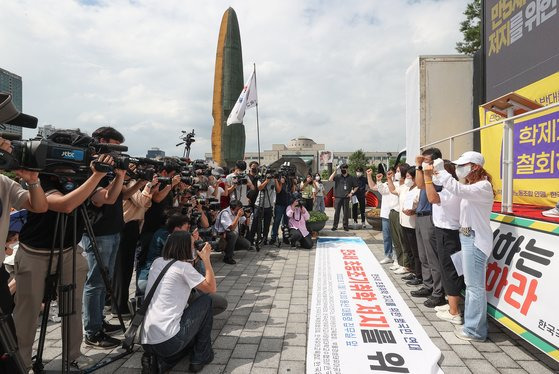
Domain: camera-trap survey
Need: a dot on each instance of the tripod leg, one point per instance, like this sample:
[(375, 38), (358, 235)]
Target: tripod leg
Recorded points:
[(9, 343)]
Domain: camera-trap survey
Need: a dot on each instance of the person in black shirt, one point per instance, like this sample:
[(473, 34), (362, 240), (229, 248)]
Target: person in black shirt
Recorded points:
[(344, 189), (31, 262), (252, 174), (284, 188), (362, 185)]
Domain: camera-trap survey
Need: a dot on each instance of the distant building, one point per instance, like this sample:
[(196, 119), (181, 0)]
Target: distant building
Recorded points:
[(46, 131), (155, 153), (309, 151), (11, 83)]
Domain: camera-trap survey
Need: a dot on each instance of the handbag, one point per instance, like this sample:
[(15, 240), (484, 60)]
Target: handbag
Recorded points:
[(130, 334)]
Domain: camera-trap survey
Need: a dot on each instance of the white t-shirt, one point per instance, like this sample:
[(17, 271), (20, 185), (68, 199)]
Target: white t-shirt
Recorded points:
[(11, 195), (225, 219), (268, 194), (403, 191), (446, 214), (211, 191), (389, 200), (240, 191), (165, 310)]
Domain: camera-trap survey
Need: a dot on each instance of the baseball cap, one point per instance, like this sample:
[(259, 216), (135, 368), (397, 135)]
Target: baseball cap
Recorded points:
[(10, 115), (470, 157)]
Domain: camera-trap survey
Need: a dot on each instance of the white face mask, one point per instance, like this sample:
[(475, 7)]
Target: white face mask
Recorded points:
[(317, 178), (408, 182), (359, 173), (436, 180), (397, 176), (13, 246), (462, 171), (425, 164)]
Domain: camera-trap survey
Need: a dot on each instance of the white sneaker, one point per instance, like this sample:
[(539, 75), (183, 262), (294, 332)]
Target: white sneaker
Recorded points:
[(442, 308), (554, 213), (401, 270), (395, 266), (386, 260), (446, 316)]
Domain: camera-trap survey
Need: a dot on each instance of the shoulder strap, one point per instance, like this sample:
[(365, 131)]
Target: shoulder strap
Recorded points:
[(149, 296)]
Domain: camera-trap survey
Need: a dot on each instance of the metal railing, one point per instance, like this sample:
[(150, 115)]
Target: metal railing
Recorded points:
[(507, 160)]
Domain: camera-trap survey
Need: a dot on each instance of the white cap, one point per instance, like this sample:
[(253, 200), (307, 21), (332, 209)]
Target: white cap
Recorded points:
[(470, 157)]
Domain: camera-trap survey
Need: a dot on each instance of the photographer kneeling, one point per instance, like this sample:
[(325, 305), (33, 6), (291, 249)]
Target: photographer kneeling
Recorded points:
[(298, 216), (227, 226), (173, 327)]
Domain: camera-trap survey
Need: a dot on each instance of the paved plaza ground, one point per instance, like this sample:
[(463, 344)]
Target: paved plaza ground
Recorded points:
[(264, 329)]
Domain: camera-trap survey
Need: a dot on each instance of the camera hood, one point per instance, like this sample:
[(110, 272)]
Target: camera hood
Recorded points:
[(10, 115)]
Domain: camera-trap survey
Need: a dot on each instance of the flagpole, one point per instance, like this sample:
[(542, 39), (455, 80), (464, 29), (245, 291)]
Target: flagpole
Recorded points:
[(257, 121)]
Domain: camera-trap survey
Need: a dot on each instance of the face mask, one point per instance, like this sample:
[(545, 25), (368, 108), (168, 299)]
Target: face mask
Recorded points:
[(317, 178), (359, 173), (425, 164), (397, 176), (436, 180), (254, 170), (408, 182), (344, 171), (462, 171), (12, 246)]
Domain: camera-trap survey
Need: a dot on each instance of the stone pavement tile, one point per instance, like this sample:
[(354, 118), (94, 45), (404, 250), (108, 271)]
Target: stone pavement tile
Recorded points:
[(298, 339), (212, 369), (134, 361), (261, 370), (442, 326), (512, 371), (271, 345), (221, 356), (298, 300), (297, 318), (451, 338), (291, 367), (292, 353), (298, 309), (282, 296), (456, 370), (276, 312), (480, 366), (500, 360), (241, 311), (231, 330), (250, 337), (225, 342), (274, 332), (467, 351), (239, 366), (296, 327), (450, 358), (500, 338), (551, 363), (267, 359), (237, 320), (276, 322), (258, 316), (431, 331), (441, 344), (517, 353), (486, 346), (245, 351), (281, 304)]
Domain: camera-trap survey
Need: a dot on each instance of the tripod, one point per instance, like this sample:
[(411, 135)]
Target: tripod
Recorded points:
[(9, 343), (66, 291)]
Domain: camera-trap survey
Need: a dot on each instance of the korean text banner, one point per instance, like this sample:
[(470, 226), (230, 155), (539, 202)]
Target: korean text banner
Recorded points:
[(522, 281), (536, 145), (359, 323)]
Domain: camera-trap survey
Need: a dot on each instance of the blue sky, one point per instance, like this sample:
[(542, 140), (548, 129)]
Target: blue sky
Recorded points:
[(329, 70)]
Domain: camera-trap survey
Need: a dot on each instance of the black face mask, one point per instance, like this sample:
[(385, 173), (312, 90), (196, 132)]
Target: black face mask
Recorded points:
[(344, 171), (254, 170)]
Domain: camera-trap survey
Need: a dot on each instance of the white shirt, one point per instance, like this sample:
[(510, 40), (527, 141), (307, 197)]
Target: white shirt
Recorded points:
[(403, 191), (446, 214), (165, 310), (211, 191), (475, 208), (240, 191), (268, 193), (11, 195), (225, 219), (389, 200)]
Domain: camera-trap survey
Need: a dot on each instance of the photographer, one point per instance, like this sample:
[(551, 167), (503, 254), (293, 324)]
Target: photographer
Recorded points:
[(173, 327), (252, 175), (344, 189), (284, 188), (238, 184), (106, 202), (227, 226), (262, 217), (298, 216), (32, 258)]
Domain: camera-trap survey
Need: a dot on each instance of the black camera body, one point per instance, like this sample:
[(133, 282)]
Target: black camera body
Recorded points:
[(240, 179)]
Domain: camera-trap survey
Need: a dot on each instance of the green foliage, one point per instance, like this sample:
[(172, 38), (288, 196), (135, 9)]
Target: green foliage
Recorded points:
[(324, 175), (357, 159), (317, 216), (9, 174), (471, 29)]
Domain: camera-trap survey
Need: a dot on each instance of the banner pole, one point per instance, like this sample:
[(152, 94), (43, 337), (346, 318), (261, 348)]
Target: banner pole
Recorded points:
[(257, 120)]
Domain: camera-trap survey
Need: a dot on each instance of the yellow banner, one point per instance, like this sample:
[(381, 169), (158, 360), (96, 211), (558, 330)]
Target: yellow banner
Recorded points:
[(536, 147)]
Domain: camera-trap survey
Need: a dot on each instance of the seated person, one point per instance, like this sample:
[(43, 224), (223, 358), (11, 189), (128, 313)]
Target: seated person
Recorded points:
[(298, 216), (227, 227), (172, 327)]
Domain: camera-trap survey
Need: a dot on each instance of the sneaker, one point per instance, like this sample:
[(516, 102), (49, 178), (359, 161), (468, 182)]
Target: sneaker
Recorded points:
[(110, 329), (414, 282), (346, 228), (432, 302), (83, 362), (386, 260), (402, 270), (265, 242), (442, 308), (422, 292), (395, 266), (409, 277), (334, 228), (446, 316), (251, 248), (553, 213), (364, 226), (229, 261), (102, 341), (272, 241), (460, 334), (53, 312)]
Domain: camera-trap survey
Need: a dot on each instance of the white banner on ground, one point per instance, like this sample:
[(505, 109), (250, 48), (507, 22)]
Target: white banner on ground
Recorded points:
[(359, 323)]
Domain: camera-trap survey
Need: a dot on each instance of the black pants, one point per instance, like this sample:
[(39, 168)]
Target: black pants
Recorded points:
[(257, 226), (234, 242), (124, 266), (297, 236), (361, 203), (309, 204), (448, 243), (410, 246), (342, 203)]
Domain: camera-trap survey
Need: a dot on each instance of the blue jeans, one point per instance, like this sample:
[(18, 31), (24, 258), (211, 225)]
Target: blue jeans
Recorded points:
[(474, 263), (319, 204), (386, 237), (94, 290), (279, 214), (195, 333)]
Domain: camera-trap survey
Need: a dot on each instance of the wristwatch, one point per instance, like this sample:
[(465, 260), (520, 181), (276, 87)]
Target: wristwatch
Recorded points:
[(34, 185), (420, 167)]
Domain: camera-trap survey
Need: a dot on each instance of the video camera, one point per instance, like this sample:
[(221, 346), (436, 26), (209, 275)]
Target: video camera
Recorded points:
[(297, 197), (240, 179), (266, 173), (287, 170)]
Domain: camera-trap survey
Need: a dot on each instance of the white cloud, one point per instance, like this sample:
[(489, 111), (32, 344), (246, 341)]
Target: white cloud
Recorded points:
[(329, 70)]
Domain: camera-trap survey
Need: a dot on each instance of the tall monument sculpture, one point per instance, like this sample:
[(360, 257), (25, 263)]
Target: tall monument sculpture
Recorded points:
[(228, 142)]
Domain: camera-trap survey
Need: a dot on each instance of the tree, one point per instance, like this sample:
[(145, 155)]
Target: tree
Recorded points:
[(471, 29), (357, 159)]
